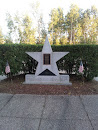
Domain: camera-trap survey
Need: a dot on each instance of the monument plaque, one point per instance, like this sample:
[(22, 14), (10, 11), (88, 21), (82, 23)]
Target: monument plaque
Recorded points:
[(47, 71), (46, 58)]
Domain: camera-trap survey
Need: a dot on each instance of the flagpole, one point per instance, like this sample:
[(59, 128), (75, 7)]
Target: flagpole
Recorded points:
[(82, 79), (10, 76)]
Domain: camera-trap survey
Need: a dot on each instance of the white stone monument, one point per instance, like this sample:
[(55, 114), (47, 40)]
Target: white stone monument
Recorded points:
[(47, 71)]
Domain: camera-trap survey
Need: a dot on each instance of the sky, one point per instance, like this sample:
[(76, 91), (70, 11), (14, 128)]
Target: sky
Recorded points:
[(24, 6)]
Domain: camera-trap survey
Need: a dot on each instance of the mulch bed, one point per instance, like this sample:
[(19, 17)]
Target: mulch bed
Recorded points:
[(16, 86)]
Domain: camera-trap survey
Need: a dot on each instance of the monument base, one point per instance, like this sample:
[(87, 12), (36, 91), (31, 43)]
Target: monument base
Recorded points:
[(53, 80)]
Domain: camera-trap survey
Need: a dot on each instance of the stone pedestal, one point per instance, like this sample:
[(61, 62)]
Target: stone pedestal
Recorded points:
[(55, 80)]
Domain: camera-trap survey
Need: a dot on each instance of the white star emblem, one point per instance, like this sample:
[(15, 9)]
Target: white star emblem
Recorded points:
[(53, 57)]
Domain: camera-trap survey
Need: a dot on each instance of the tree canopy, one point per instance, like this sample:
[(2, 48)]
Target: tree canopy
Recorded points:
[(76, 27)]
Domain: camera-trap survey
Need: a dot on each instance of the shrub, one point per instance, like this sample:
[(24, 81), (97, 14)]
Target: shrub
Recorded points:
[(20, 61)]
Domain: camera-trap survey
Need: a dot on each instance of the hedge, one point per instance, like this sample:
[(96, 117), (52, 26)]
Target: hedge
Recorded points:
[(20, 61)]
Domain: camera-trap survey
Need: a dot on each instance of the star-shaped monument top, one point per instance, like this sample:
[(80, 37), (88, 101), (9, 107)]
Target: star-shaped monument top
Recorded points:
[(47, 59)]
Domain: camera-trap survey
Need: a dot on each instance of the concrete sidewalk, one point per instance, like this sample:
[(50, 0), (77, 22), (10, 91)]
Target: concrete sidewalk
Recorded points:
[(35, 112)]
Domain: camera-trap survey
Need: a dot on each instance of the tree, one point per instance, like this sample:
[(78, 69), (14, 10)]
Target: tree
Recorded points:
[(41, 30), (28, 31), (14, 24), (8, 40), (89, 25), (94, 11), (71, 21), (94, 25), (1, 37), (77, 33), (63, 40), (86, 25), (10, 25), (38, 18), (18, 25), (56, 25), (20, 29), (43, 34)]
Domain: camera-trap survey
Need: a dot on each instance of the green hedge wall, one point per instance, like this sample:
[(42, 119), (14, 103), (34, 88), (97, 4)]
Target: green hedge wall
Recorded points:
[(20, 61)]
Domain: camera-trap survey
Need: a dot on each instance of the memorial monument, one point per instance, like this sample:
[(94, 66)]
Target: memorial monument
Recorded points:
[(47, 71)]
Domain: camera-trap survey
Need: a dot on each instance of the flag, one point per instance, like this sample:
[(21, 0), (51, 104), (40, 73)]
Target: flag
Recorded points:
[(81, 68), (7, 68)]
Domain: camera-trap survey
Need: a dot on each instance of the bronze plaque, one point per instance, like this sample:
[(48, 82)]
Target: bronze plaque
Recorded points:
[(46, 59)]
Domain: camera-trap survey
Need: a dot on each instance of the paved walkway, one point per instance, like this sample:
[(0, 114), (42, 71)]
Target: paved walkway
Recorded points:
[(35, 112)]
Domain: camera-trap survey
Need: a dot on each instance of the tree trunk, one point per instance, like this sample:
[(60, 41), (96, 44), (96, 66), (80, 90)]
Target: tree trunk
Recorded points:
[(71, 34)]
